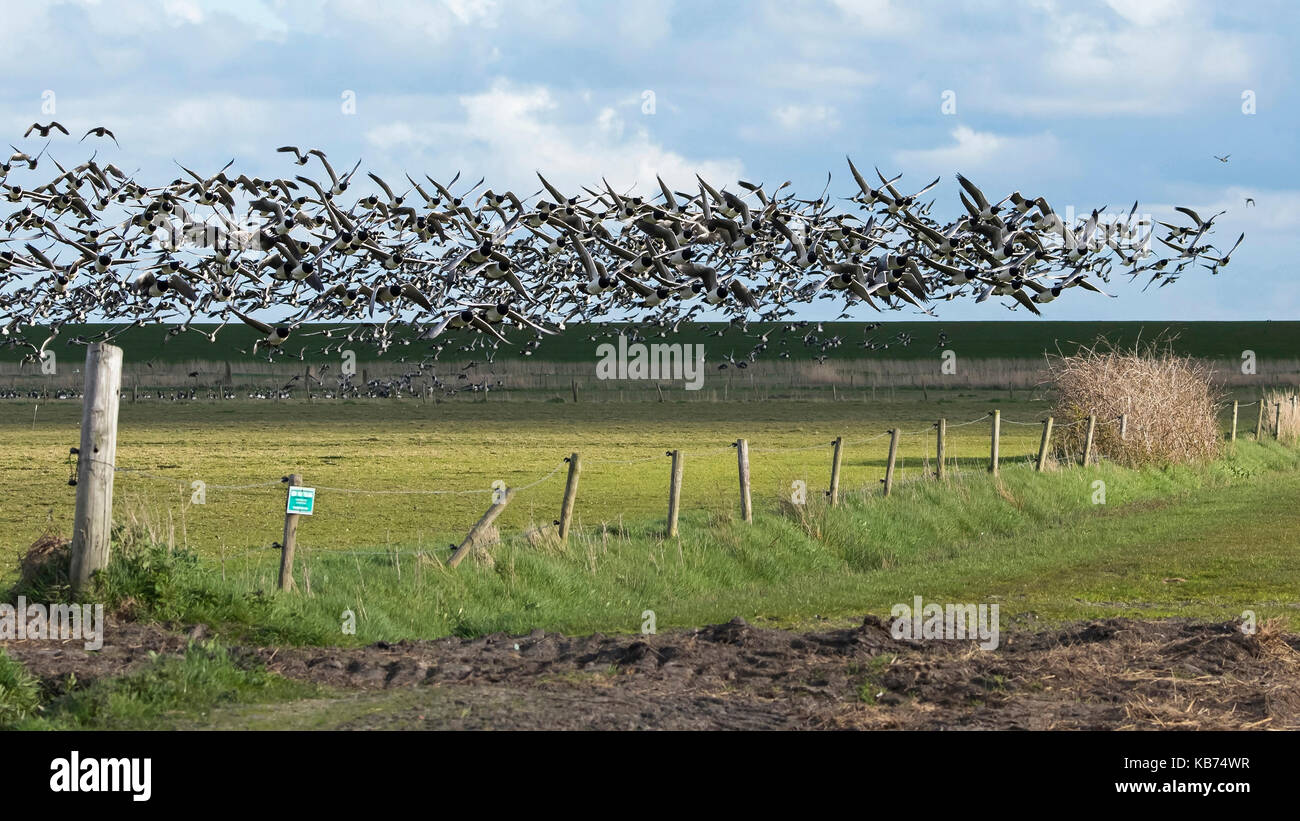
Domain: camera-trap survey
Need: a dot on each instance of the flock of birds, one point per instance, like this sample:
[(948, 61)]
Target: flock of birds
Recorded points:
[(93, 244)]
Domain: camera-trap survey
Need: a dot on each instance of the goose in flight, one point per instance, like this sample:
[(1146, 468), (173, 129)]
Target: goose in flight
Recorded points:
[(44, 130), (99, 131)]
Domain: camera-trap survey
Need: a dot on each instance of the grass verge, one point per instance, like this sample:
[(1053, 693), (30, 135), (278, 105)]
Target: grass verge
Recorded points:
[(168, 689), (1199, 542)]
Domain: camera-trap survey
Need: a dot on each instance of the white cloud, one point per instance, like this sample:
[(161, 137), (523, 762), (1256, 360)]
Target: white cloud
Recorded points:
[(975, 150), (1148, 58), (408, 20), (807, 117), (510, 132), (1147, 12), (878, 16), (183, 11)]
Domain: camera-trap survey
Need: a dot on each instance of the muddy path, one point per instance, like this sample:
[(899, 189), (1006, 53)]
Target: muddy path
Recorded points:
[(1110, 674)]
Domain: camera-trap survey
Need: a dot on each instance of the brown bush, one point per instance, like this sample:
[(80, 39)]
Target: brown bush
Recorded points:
[(43, 569), (1170, 401)]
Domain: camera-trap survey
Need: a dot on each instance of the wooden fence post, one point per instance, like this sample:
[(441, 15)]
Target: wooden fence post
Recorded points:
[(93, 522), (570, 495), (1087, 443), (1259, 423), (838, 445), (483, 524), (1232, 437), (674, 492), (290, 537), (1042, 447), (1277, 420), (889, 466), (1123, 426), (993, 447), (742, 459), (942, 427)]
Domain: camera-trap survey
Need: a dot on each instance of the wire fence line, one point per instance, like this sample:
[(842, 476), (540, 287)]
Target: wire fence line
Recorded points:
[(921, 469), (924, 432), (368, 492)]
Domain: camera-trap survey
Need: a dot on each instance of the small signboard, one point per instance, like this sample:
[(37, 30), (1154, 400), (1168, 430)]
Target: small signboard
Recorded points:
[(302, 500)]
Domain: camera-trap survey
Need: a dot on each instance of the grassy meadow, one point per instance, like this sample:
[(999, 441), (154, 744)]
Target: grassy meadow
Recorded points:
[(1041, 541), (1204, 542), (376, 448)]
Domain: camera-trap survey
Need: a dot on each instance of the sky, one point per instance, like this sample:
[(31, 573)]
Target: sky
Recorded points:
[(1088, 104)]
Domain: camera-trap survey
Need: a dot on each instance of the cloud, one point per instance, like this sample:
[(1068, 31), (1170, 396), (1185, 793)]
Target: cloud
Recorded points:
[(1143, 59), (1147, 12), (807, 117), (405, 20), (973, 150), (878, 16), (510, 132)]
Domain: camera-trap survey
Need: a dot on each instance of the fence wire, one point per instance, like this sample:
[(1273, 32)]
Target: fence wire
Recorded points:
[(954, 467)]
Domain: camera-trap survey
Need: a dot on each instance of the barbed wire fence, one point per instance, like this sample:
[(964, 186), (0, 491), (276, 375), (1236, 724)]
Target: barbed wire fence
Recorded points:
[(923, 444)]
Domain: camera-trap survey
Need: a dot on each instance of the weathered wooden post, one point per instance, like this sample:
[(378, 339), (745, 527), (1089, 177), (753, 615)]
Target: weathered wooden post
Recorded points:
[(1277, 420), (290, 540), (1232, 437), (476, 532), (674, 492), (570, 495), (1087, 443), (1123, 426), (93, 522), (889, 465), (1042, 447), (1259, 422), (993, 447), (942, 427), (742, 460), (838, 446)]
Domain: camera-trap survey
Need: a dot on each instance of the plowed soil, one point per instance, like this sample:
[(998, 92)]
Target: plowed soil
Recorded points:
[(1111, 674)]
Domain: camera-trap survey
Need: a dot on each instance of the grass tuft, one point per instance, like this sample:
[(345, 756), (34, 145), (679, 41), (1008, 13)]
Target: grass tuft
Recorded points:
[(20, 693)]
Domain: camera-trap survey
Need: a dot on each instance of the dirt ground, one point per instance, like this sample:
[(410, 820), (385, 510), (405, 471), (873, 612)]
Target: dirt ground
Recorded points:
[(1111, 674)]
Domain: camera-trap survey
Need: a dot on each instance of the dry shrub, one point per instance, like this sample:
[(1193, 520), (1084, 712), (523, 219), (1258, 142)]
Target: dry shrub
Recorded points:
[(1288, 421), (43, 569), (1170, 401)]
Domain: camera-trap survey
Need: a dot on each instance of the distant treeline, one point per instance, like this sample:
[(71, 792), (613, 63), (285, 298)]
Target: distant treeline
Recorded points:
[(578, 343)]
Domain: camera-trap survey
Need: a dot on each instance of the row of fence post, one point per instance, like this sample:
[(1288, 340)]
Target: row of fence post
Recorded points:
[(97, 457), (565, 523)]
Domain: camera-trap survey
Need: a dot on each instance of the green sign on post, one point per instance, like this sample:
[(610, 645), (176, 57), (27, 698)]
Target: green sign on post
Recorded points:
[(302, 500)]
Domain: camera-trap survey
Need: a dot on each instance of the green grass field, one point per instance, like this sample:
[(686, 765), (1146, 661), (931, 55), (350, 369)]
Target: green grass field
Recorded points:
[(1206, 542), (360, 549), (975, 340), (376, 448)]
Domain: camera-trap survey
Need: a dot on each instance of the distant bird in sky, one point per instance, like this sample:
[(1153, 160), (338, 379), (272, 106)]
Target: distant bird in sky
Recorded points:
[(99, 131), (300, 157), (1224, 158), (1250, 201), (43, 130)]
